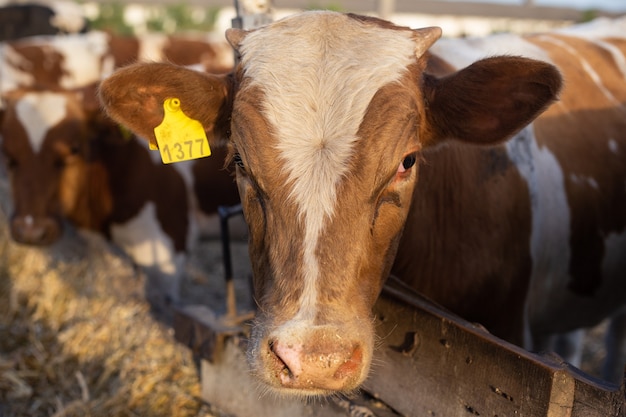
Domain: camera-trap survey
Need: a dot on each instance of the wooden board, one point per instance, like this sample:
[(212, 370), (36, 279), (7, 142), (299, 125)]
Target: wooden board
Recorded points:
[(429, 363), (441, 365)]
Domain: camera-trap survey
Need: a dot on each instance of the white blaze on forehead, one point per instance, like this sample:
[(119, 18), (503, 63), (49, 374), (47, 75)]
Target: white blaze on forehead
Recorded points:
[(319, 72), (38, 113)]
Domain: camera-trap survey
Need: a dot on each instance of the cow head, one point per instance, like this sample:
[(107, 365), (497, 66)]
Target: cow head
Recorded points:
[(327, 114), (45, 143)]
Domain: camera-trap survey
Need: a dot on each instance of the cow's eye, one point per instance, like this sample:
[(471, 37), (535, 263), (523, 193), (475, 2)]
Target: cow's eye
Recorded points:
[(408, 162)]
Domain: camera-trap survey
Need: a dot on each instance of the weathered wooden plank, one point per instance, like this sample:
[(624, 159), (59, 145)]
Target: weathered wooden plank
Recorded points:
[(452, 368), (428, 363)]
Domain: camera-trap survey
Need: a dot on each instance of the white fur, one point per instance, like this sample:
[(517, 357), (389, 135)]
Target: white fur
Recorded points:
[(38, 113), (145, 242), (550, 214)]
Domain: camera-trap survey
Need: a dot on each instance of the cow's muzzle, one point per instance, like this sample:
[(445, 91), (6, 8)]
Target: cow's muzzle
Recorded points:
[(33, 230)]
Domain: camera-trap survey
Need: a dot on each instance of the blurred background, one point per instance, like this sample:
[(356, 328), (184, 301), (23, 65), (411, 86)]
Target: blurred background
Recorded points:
[(457, 18)]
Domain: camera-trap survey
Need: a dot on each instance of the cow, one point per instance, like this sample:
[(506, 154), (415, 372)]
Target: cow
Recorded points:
[(363, 149), (70, 164), (78, 60)]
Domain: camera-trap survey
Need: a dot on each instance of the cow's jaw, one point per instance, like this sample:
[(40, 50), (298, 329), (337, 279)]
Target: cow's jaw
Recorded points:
[(324, 212)]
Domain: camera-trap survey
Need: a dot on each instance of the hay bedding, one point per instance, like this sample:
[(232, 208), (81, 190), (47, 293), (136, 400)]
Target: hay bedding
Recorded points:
[(76, 338)]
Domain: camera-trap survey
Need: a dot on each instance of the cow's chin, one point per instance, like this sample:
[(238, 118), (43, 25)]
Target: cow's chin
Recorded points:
[(299, 360)]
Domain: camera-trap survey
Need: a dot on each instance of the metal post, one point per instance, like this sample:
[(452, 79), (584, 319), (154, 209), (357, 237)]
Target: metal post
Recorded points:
[(386, 8), (252, 14), (225, 213)]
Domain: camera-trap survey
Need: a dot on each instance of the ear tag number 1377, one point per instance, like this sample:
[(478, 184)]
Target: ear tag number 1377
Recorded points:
[(179, 137)]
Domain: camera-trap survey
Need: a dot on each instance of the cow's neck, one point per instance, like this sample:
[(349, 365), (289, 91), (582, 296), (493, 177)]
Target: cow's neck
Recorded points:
[(467, 208)]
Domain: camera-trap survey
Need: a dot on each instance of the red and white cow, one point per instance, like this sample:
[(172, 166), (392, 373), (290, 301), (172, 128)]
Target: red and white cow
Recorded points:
[(68, 162), (361, 153), (77, 60)]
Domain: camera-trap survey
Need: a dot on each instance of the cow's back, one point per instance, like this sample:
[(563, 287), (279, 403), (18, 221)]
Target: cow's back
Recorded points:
[(544, 211)]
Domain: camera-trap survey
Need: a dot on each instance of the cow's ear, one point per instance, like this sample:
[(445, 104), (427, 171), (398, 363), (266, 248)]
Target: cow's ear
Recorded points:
[(134, 96), (488, 101), (235, 36)]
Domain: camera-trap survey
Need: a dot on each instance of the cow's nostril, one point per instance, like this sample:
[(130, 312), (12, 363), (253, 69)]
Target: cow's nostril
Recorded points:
[(316, 365), (351, 366), (285, 360)]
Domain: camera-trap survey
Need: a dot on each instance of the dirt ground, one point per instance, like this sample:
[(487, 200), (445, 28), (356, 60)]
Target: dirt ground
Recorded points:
[(77, 339)]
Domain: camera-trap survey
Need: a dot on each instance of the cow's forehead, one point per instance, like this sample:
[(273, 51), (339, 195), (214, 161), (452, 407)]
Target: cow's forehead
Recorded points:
[(318, 77), (38, 112), (317, 74)]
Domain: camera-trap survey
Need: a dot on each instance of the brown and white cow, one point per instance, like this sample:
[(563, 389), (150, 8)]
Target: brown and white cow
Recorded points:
[(78, 60), (68, 162), (361, 153)]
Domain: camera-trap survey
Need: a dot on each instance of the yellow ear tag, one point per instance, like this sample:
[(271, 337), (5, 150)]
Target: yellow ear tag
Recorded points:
[(179, 137)]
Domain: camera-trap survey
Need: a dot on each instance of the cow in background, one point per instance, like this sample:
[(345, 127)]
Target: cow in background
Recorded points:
[(77, 60), (361, 151), (69, 163), (574, 170), (47, 96)]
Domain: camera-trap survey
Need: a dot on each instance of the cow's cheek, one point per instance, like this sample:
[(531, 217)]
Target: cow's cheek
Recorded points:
[(386, 235), (256, 221)]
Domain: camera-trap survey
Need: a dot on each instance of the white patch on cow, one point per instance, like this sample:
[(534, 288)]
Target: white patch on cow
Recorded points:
[(68, 16), (316, 110), (549, 245), (84, 57), (603, 27), (151, 47), (616, 53), (38, 113), (145, 242), (14, 69), (613, 146), (463, 52)]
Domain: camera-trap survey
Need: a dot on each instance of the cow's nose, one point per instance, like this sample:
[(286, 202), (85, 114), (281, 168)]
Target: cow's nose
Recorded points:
[(35, 231), (316, 364)]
